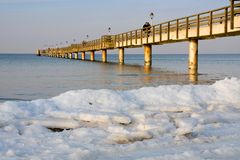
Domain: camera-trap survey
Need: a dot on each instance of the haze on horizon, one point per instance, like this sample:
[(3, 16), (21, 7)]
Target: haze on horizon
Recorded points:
[(30, 24)]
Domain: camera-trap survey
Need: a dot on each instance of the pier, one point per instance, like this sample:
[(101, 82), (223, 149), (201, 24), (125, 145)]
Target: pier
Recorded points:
[(221, 22)]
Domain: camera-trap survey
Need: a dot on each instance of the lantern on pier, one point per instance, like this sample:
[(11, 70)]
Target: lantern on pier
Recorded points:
[(151, 17)]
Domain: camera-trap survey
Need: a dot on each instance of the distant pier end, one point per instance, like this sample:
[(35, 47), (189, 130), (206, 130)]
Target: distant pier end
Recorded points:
[(38, 53)]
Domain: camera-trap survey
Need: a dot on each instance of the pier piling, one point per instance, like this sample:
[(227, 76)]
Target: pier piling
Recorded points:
[(76, 55), (92, 56), (121, 55), (83, 55), (147, 55), (193, 57), (104, 55)]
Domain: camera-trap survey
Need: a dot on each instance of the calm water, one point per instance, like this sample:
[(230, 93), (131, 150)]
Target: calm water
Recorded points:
[(27, 77)]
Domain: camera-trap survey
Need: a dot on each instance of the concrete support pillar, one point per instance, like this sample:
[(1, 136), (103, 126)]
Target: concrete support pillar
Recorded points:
[(104, 55), (121, 55), (193, 57), (70, 55), (148, 55), (76, 55), (83, 56), (92, 56)]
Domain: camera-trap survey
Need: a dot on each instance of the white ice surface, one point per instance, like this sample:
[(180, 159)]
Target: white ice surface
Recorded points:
[(167, 122)]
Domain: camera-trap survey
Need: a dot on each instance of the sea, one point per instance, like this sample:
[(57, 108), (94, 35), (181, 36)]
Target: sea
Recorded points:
[(55, 108), (26, 77)]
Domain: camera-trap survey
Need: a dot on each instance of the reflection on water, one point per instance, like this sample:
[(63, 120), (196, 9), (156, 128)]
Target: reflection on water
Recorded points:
[(135, 76), (193, 78), (30, 77)]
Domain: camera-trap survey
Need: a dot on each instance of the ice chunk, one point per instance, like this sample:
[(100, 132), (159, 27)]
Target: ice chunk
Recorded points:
[(55, 123), (131, 137)]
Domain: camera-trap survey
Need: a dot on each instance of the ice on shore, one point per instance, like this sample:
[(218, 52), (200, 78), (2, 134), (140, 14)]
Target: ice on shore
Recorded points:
[(166, 122)]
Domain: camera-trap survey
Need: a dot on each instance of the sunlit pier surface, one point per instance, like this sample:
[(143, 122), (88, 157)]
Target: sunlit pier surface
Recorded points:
[(222, 22)]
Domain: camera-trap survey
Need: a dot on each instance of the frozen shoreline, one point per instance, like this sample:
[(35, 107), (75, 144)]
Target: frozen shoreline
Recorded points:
[(165, 122)]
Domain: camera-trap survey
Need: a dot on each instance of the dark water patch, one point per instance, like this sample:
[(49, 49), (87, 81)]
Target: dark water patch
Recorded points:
[(12, 99), (58, 129)]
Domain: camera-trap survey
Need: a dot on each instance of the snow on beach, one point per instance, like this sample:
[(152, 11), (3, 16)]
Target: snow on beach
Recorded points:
[(166, 122)]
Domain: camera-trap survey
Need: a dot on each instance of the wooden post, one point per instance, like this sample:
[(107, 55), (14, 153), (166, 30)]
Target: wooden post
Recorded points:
[(126, 39), (232, 14), (226, 20), (83, 55), (136, 36), (147, 34), (187, 27), (198, 25), (211, 22), (121, 55), (131, 38), (104, 55), (168, 33), (148, 55), (122, 40), (160, 32), (92, 56), (177, 29), (193, 57), (153, 34)]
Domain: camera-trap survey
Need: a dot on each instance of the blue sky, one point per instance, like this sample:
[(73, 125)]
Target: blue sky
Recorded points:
[(30, 24)]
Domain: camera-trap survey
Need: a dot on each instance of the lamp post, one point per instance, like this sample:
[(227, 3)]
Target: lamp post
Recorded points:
[(87, 36), (151, 17), (109, 30)]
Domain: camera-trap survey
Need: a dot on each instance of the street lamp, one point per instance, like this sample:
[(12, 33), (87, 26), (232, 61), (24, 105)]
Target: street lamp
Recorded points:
[(87, 36), (151, 17), (109, 30)]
